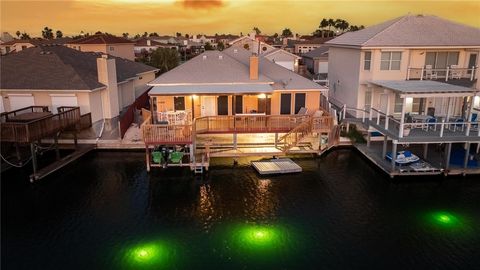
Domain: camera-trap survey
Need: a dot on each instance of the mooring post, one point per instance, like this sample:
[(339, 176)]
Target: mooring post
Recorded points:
[(384, 151), (467, 155), (57, 151), (425, 150), (447, 156), (147, 157), (34, 159), (394, 155)]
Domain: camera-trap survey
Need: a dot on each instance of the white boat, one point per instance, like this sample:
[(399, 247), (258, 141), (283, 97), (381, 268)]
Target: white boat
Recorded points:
[(403, 157)]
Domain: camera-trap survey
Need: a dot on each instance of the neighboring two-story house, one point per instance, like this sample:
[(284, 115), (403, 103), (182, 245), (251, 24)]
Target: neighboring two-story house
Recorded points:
[(405, 50), (105, 43)]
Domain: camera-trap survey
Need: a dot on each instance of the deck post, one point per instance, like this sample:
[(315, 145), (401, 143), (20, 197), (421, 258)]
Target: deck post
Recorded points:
[(386, 113), (425, 150), (421, 74), (472, 73), (384, 150), (446, 74), (34, 159), (147, 157), (402, 119), (447, 155), (235, 140), (467, 154), (369, 138), (394, 155), (276, 139), (469, 116)]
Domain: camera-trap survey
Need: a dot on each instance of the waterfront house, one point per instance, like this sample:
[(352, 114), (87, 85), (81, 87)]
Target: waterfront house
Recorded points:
[(105, 43), (224, 99), (144, 46), (316, 62), (304, 46), (275, 55), (54, 76), (414, 79)]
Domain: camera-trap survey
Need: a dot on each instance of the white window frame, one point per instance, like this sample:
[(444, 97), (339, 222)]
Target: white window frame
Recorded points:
[(390, 60)]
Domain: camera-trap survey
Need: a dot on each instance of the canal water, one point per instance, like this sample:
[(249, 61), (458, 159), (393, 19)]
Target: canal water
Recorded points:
[(106, 212)]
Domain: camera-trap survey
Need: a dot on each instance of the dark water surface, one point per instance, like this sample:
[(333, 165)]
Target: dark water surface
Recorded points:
[(105, 212)]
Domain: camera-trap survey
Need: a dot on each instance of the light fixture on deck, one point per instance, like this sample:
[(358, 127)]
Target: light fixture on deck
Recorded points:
[(194, 96), (262, 96)]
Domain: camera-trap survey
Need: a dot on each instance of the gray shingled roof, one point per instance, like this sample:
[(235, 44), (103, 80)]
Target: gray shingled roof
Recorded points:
[(422, 87), (60, 68), (211, 89), (208, 68), (411, 31), (318, 52), (284, 79)]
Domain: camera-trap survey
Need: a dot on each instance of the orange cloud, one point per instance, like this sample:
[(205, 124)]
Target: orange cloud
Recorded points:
[(202, 4)]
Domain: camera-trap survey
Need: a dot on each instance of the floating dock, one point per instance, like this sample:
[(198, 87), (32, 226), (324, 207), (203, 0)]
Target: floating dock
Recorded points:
[(276, 166)]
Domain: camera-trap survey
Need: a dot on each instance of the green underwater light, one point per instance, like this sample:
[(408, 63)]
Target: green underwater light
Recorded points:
[(153, 255), (445, 219), (253, 238)]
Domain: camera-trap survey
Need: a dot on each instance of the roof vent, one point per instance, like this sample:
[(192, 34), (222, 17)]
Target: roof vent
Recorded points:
[(104, 56), (235, 50), (49, 52), (220, 57), (42, 52), (204, 57)]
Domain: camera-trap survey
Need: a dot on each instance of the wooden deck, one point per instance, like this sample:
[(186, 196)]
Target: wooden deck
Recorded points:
[(276, 166)]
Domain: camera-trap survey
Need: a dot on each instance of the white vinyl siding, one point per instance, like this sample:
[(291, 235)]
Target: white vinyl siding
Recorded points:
[(391, 60), (2, 108)]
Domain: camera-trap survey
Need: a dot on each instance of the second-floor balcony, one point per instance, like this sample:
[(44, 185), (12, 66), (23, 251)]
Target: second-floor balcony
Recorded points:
[(452, 74)]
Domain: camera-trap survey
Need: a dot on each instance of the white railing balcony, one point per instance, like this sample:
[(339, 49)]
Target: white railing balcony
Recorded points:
[(449, 73)]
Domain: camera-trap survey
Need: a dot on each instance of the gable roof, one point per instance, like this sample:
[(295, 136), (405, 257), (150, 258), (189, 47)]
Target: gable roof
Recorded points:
[(283, 78), (318, 52), (278, 50), (60, 68), (101, 39), (411, 31), (210, 67)]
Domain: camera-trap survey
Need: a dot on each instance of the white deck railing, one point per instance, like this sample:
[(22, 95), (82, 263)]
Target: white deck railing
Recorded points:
[(448, 73)]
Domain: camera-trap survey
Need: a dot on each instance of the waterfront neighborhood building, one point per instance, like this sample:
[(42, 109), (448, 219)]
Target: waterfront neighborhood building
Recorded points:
[(105, 43), (217, 95), (16, 45), (55, 76), (302, 46), (276, 55), (145, 46), (414, 79), (316, 62)]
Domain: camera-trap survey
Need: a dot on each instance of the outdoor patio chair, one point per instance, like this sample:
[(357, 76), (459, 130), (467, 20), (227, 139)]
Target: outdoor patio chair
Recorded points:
[(459, 124), (455, 73), (474, 121), (429, 73), (430, 123)]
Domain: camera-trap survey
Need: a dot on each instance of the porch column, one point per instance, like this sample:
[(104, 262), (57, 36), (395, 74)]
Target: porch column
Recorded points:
[(386, 113), (448, 151), (193, 108), (402, 119), (469, 116), (235, 140), (384, 150), (467, 153), (394, 154), (147, 157), (447, 119), (425, 150)]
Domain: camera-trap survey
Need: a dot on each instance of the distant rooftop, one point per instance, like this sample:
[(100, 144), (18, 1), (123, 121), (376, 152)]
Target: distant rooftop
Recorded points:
[(101, 39), (318, 52), (411, 31)]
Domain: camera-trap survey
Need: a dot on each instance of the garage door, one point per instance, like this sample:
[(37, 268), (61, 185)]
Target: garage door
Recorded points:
[(20, 101), (2, 108), (63, 100)]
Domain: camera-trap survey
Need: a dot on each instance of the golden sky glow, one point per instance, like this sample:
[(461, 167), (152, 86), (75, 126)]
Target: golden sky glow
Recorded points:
[(215, 16)]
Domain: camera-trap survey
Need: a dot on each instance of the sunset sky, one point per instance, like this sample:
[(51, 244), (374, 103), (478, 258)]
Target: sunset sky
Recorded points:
[(210, 17)]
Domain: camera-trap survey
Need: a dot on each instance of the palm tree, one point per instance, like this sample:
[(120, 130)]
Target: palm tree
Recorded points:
[(58, 34), (125, 35), (25, 36), (257, 30), (341, 24), (287, 33), (47, 33), (323, 25), (331, 23), (165, 59), (18, 33)]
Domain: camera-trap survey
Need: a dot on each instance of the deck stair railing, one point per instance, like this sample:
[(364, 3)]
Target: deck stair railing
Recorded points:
[(295, 136), (30, 109)]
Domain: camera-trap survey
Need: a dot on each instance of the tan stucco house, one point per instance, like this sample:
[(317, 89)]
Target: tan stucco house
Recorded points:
[(105, 43), (56, 76)]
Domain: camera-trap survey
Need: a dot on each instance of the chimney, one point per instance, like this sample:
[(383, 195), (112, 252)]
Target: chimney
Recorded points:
[(107, 75), (149, 42), (253, 67), (252, 35)]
